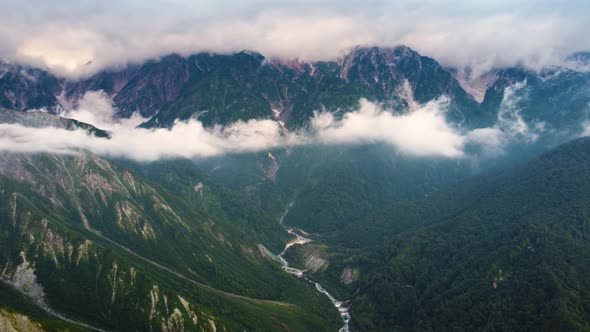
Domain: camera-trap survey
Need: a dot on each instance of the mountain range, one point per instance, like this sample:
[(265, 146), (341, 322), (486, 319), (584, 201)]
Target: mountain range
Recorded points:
[(493, 240)]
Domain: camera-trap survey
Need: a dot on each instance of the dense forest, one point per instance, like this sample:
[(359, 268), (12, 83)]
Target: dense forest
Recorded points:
[(503, 251)]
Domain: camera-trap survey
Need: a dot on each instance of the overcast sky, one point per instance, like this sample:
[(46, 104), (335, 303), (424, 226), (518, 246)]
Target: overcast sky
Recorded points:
[(65, 35)]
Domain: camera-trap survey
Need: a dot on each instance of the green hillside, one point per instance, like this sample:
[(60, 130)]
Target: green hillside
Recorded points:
[(98, 244), (506, 251)]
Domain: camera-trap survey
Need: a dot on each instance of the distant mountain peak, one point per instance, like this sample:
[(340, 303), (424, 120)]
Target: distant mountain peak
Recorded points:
[(398, 49), (373, 57), (253, 54), (389, 54)]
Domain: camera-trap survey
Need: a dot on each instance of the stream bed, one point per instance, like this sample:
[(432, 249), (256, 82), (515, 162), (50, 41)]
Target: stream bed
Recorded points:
[(300, 239)]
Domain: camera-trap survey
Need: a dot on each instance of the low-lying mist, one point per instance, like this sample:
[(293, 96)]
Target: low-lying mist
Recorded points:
[(422, 132)]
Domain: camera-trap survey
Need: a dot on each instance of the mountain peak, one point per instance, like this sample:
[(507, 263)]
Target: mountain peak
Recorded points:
[(173, 57), (252, 54), (400, 51)]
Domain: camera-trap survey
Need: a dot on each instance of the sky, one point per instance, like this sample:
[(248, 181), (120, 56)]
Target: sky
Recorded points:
[(77, 38)]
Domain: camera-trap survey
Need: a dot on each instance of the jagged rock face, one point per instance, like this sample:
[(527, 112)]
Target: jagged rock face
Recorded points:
[(474, 83), (231, 88), (23, 276), (246, 85), (24, 89), (503, 79), (80, 227), (41, 119), (385, 71), (109, 81), (59, 262), (220, 89), (380, 68), (154, 85), (555, 99), (144, 88)]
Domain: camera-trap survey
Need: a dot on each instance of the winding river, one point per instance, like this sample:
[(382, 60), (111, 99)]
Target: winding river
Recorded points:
[(300, 239)]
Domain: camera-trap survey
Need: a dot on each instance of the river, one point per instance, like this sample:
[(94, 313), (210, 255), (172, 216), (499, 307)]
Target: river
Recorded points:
[(300, 239)]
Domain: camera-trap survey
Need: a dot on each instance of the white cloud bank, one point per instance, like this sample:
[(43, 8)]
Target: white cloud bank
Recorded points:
[(186, 139), (422, 132), (66, 35)]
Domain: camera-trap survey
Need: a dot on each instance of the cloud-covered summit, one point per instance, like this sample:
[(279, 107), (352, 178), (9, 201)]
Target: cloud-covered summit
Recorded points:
[(77, 37)]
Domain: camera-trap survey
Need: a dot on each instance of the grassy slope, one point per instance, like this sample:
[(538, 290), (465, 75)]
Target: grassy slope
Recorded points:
[(237, 266)]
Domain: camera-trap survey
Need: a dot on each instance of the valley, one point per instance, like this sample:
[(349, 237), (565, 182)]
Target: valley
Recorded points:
[(382, 190), (300, 240)]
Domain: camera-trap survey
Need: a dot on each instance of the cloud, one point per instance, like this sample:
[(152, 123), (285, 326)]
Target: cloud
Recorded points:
[(186, 139), (509, 119), (96, 108), (491, 141), (423, 132), (579, 62), (510, 126), (420, 132), (585, 125), (65, 36)]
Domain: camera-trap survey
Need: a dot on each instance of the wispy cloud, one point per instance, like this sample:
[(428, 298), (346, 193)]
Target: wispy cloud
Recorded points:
[(510, 125), (420, 132), (67, 35)]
